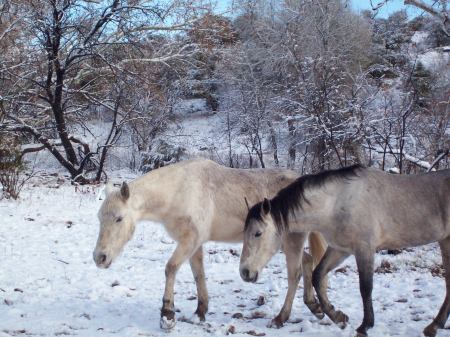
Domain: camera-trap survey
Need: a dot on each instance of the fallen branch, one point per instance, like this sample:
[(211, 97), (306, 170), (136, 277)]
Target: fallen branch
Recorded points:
[(421, 163), (62, 261)]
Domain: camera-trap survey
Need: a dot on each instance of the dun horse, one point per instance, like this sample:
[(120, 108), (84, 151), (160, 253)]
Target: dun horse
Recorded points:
[(199, 201), (358, 211)]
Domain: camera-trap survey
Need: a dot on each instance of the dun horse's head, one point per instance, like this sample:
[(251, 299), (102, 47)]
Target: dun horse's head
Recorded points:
[(261, 241), (117, 224)]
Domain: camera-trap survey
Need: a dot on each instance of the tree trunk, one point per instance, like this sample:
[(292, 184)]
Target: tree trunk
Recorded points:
[(320, 152), (292, 142), (60, 119), (273, 140)]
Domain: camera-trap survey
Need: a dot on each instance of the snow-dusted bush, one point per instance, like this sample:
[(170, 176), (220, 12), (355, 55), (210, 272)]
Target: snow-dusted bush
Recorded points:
[(11, 167), (160, 155)]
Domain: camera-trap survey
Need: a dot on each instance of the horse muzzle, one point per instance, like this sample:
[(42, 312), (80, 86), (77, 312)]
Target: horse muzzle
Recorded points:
[(249, 276), (102, 260)]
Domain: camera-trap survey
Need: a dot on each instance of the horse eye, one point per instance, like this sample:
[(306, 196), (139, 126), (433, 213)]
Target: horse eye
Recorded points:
[(119, 219), (258, 234)]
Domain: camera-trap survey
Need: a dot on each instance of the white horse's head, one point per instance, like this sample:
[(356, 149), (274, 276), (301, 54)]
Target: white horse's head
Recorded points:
[(117, 224), (261, 241)]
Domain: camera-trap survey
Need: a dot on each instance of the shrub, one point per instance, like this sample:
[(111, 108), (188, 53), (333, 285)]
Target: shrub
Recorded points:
[(11, 167)]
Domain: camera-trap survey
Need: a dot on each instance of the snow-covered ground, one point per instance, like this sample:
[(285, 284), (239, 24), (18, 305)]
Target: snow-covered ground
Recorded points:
[(49, 285)]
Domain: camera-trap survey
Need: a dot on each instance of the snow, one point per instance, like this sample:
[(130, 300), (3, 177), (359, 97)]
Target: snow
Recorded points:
[(204, 136), (49, 285), (197, 106), (195, 133), (419, 37), (435, 59)]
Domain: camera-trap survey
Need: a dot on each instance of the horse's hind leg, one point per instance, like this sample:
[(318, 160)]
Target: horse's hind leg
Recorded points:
[(308, 290), (293, 250), (185, 249), (196, 262), (330, 260), (317, 248), (364, 261), (441, 318)]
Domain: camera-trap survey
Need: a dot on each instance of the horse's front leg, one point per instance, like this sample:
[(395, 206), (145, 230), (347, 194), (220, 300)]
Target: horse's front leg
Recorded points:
[(196, 262), (330, 260), (183, 252), (364, 261), (293, 250)]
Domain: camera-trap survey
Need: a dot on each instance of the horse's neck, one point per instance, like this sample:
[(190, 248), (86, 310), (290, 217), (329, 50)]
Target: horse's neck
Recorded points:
[(148, 200), (315, 212)]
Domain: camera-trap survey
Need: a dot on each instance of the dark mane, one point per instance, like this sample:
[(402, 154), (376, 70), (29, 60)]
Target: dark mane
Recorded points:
[(292, 196), (253, 213)]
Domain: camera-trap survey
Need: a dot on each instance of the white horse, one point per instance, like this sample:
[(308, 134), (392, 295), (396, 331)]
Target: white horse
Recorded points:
[(359, 211), (199, 201)]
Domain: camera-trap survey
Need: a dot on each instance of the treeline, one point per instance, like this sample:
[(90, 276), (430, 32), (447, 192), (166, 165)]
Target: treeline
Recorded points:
[(342, 87), (307, 85)]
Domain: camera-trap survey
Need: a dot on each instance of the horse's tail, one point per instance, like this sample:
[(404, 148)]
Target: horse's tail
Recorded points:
[(317, 246)]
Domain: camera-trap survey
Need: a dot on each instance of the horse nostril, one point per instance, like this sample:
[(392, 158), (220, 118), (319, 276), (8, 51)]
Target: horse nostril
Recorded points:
[(245, 273), (101, 258)]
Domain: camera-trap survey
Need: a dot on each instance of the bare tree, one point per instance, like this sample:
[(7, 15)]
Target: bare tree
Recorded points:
[(438, 9), (251, 95), (77, 49), (325, 47)]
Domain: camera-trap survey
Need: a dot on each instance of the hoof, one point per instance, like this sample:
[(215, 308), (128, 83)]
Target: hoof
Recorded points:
[(430, 330), (316, 309), (361, 332), (200, 314), (276, 323), (167, 324), (167, 320), (340, 319)]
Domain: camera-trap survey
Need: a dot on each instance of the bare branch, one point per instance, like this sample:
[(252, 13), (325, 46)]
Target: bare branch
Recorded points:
[(9, 28), (427, 8)]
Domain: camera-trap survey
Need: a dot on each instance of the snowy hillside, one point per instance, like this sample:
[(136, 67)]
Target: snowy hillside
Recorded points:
[(199, 131), (49, 285)]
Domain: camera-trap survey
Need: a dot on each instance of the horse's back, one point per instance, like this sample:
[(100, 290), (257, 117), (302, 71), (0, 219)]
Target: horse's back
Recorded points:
[(213, 196), (230, 189), (417, 206)]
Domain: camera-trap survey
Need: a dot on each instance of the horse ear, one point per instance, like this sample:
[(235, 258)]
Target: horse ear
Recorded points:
[(246, 202), (125, 191), (265, 207)]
